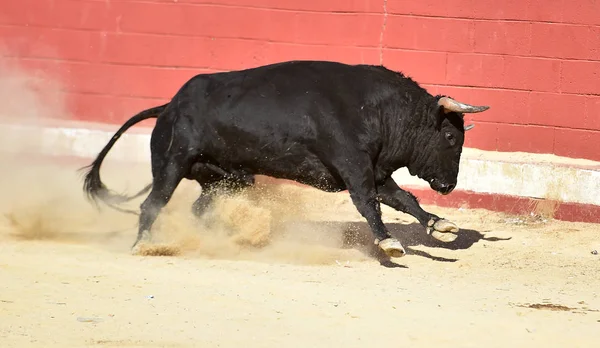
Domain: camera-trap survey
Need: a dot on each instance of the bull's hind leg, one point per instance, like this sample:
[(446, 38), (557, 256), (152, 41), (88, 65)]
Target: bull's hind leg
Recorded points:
[(217, 182), (213, 179), (167, 176), (207, 177)]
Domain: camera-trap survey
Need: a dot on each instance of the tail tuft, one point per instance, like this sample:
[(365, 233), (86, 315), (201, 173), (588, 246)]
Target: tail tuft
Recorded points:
[(92, 184)]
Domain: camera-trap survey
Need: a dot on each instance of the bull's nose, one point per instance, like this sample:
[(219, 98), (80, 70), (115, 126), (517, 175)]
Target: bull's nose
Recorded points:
[(446, 189)]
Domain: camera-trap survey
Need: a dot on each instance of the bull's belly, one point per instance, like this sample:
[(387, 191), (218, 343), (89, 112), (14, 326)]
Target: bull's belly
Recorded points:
[(309, 172), (304, 168)]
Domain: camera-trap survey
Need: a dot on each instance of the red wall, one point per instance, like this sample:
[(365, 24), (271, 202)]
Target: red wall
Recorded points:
[(536, 62)]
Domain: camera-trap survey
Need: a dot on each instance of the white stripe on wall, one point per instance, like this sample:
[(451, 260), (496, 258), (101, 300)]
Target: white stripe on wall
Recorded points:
[(517, 174)]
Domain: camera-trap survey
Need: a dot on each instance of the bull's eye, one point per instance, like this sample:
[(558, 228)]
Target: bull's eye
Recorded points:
[(450, 138)]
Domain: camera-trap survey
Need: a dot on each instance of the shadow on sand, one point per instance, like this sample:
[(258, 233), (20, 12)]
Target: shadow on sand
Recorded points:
[(358, 234)]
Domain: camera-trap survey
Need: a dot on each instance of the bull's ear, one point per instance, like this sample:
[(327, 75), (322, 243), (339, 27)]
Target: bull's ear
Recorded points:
[(451, 105)]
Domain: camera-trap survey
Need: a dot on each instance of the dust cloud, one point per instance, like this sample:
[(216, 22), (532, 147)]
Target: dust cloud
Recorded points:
[(29, 96), (41, 199), (282, 222)]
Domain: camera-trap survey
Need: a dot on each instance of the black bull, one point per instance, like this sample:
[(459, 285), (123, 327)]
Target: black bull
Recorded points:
[(329, 125)]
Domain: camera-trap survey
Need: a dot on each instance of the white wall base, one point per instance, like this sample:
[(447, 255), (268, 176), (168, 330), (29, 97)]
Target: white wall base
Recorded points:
[(516, 174)]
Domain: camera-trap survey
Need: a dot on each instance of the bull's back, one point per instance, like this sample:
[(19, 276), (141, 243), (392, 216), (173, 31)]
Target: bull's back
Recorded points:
[(284, 120)]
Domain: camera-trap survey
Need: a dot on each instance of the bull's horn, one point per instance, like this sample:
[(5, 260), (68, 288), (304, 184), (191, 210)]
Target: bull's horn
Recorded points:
[(451, 105), (469, 127)]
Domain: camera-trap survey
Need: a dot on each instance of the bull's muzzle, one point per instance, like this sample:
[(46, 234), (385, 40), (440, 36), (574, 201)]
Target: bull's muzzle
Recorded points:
[(442, 188)]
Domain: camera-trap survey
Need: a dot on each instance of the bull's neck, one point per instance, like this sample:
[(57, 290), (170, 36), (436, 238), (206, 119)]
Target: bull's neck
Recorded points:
[(406, 132)]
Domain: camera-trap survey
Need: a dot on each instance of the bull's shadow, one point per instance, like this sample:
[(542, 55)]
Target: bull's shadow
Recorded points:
[(358, 234)]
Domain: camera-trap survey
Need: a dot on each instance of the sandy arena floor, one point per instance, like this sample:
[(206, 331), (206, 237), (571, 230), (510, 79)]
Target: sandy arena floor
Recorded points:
[(68, 280)]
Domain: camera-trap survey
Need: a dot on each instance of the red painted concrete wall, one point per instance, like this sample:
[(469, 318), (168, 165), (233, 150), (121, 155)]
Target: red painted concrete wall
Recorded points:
[(536, 62)]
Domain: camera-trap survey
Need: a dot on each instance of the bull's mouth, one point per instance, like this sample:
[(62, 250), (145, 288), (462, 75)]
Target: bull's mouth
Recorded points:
[(441, 187)]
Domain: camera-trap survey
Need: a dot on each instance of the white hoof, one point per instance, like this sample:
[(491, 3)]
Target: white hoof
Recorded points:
[(145, 238), (135, 250), (443, 230), (392, 247), (445, 226)]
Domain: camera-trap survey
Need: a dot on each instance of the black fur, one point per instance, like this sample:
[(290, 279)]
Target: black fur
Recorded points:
[(329, 125)]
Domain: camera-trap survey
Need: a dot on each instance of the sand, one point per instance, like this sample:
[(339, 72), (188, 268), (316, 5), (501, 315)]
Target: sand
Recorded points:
[(280, 265)]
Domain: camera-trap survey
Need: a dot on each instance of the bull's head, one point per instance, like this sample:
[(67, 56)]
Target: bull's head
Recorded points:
[(446, 142)]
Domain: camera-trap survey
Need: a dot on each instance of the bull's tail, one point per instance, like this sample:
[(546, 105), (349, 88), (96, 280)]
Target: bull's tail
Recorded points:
[(92, 184)]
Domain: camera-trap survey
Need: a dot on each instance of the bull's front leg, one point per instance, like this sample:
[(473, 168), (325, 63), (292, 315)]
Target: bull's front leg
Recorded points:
[(390, 194), (362, 189)]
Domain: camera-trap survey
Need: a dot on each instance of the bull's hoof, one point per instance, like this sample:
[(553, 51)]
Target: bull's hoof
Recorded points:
[(392, 247), (136, 249), (443, 230), (157, 250), (143, 238)]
